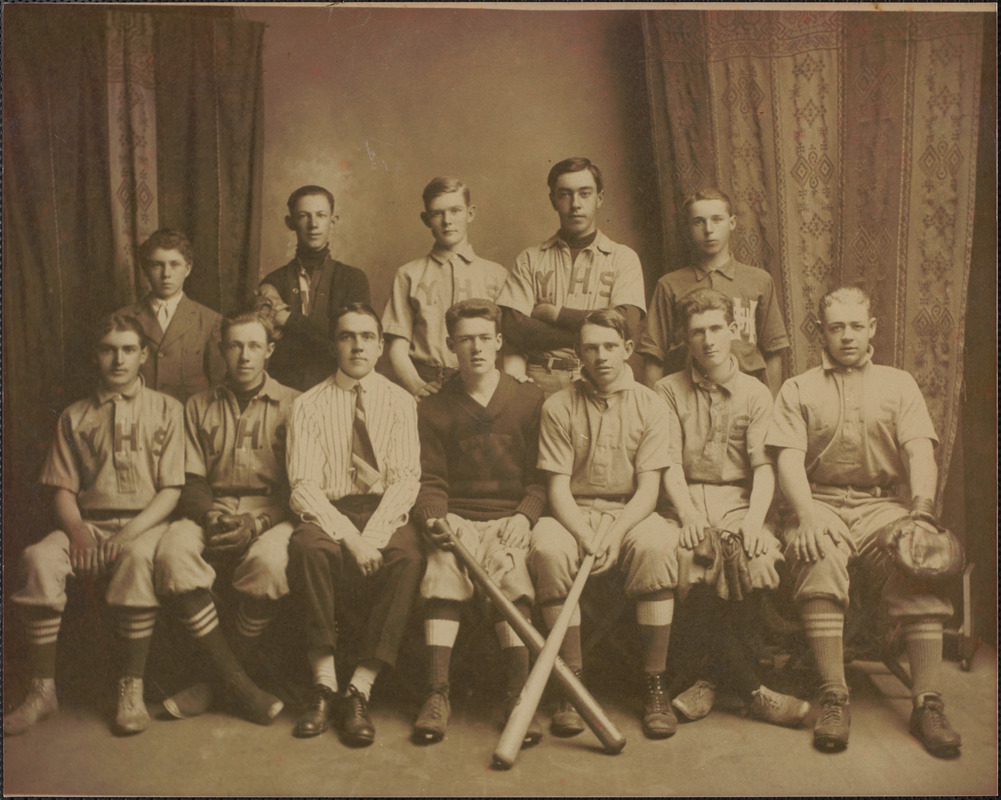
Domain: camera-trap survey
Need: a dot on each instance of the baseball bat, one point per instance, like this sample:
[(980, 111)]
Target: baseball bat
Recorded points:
[(591, 712), (509, 744)]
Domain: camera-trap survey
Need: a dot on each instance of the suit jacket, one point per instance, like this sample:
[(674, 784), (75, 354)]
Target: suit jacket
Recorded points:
[(304, 355), (185, 358)]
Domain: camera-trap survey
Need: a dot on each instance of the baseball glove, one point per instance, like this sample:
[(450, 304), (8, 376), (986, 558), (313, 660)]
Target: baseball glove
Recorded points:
[(921, 549), (738, 576), (708, 553), (231, 536)]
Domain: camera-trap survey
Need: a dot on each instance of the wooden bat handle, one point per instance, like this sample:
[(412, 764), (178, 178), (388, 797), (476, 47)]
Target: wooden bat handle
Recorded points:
[(509, 744), (591, 712)]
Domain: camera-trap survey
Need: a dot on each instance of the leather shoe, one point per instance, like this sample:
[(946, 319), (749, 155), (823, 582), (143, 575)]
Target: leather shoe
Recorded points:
[(357, 729), (928, 723), (313, 721)]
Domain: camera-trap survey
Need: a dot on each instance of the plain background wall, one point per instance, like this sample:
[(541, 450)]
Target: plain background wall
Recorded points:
[(374, 102)]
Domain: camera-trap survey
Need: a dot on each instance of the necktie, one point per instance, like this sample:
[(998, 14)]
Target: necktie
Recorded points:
[(161, 316), (365, 470)]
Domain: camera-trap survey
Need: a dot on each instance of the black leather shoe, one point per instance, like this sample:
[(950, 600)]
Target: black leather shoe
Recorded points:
[(313, 721), (357, 729)]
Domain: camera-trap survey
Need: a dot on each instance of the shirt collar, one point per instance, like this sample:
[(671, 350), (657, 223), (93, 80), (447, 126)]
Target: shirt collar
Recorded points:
[(729, 270), (625, 382), (464, 251), (601, 242), (347, 383), (268, 391), (103, 395), (699, 378), (832, 365), (170, 304)]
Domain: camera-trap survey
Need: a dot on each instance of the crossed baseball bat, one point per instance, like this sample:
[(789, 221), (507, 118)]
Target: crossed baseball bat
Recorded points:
[(547, 662)]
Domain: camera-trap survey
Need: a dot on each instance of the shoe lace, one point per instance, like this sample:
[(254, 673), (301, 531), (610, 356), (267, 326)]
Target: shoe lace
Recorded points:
[(359, 698), (435, 707), (656, 696), (934, 719), (832, 710)]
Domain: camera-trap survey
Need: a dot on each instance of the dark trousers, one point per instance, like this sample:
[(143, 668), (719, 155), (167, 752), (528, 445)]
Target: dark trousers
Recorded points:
[(327, 581)]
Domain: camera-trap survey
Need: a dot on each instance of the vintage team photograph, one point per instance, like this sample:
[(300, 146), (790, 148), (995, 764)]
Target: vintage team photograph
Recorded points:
[(499, 399)]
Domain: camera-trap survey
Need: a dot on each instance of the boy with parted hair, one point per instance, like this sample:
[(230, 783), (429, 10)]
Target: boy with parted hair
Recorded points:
[(721, 483), (234, 510), (855, 454), (479, 447), (116, 467), (760, 335), (604, 440), (183, 335), (423, 289)]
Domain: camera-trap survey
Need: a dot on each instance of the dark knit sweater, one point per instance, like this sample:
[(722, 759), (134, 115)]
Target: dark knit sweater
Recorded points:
[(480, 463)]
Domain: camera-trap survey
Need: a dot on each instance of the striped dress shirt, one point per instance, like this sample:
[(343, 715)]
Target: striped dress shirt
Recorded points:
[(319, 453)]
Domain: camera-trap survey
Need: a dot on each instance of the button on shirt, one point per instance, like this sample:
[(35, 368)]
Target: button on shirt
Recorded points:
[(426, 288), (115, 451), (717, 430), (603, 439), (605, 275), (234, 450), (851, 422), (319, 453)]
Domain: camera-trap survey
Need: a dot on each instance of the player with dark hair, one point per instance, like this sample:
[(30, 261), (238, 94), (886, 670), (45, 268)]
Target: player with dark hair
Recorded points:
[(423, 289), (115, 468), (855, 455)]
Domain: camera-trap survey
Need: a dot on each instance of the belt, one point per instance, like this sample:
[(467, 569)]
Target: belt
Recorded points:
[(621, 498), (241, 492), (566, 364), (102, 514), (886, 490)]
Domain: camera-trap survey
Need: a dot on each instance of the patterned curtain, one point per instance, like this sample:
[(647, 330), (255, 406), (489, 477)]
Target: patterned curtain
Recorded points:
[(848, 143)]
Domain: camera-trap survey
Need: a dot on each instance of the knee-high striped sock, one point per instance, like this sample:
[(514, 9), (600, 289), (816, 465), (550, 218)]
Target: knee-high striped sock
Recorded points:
[(43, 633), (253, 615), (824, 624), (198, 614), (654, 613), (570, 651), (924, 652), (134, 629), (514, 653), (441, 628)]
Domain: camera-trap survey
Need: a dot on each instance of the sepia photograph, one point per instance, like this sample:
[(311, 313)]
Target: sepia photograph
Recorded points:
[(499, 399)]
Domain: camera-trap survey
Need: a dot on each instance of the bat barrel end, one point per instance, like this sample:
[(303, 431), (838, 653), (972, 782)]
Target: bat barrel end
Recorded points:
[(501, 764), (614, 748)]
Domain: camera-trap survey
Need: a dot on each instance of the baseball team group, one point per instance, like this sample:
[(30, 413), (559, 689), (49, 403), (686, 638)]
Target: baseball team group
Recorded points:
[(261, 456)]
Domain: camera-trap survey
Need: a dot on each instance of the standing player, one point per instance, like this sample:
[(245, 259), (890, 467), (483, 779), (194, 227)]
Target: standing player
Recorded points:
[(234, 507), (721, 477), (116, 468), (414, 318), (855, 443), (604, 442), (479, 447), (554, 286), (183, 335), (761, 333), (354, 470), (305, 295)]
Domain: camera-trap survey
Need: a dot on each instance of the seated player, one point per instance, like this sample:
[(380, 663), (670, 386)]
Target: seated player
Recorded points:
[(414, 319), (354, 469), (304, 296), (855, 453), (234, 507), (554, 285), (183, 335), (479, 447), (720, 477), (116, 467), (761, 334), (604, 442)]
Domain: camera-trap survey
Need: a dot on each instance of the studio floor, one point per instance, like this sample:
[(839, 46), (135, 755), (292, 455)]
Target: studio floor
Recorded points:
[(725, 754)]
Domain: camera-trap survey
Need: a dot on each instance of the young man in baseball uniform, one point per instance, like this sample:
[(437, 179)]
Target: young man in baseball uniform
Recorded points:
[(761, 333), (234, 510), (720, 477), (116, 467), (604, 440), (354, 470), (479, 448), (183, 335), (855, 453), (554, 285), (414, 318), (303, 296)]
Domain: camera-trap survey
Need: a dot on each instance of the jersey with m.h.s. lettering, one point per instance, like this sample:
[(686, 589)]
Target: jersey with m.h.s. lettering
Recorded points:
[(116, 450), (604, 275), (236, 450)]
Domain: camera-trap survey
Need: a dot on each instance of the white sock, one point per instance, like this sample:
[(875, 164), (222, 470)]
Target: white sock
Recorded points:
[(324, 673), (364, 676)]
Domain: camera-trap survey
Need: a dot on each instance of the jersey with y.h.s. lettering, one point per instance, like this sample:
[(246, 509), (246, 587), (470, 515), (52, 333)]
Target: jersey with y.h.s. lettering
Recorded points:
[(116, 450)]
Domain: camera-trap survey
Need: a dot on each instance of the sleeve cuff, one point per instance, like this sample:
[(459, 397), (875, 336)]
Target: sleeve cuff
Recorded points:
[(430, 511), (532, 507)]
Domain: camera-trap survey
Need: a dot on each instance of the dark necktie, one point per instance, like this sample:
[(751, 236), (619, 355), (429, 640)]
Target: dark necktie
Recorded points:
[(364, 467)]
